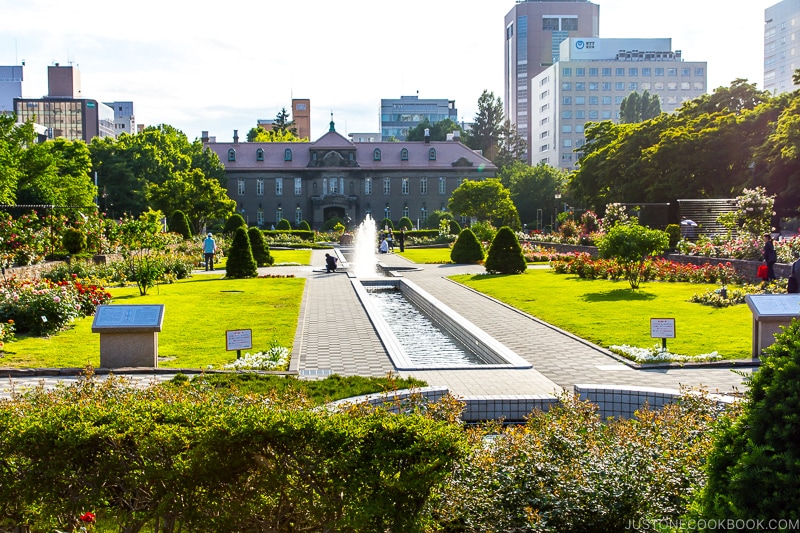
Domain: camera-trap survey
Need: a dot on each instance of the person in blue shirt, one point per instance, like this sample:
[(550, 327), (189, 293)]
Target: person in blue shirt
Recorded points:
[(209, 249)]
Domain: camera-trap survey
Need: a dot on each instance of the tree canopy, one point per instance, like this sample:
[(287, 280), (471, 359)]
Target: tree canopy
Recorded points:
[(636, 108), (437, 130), (488, 125), (533, 189), (485, 200)]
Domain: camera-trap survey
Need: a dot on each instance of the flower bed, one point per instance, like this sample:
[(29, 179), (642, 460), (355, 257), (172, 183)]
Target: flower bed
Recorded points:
[(43, 307)]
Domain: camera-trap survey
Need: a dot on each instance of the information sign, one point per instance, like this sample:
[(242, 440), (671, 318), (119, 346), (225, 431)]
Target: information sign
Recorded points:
[(662, 328), (239, 339)]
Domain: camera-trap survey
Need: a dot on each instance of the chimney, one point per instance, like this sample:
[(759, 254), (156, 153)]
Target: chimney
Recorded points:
[(235, 136), (427, 135), (204, 137)]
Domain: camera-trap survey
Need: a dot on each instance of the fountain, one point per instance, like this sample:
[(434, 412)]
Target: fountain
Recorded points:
[(364, 262), (418, 331)]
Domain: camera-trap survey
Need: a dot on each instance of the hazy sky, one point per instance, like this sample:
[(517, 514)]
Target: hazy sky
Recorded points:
[(221, 66)]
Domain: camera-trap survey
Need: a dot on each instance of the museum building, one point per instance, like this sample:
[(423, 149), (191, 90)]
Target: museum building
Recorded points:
[(334, 177)]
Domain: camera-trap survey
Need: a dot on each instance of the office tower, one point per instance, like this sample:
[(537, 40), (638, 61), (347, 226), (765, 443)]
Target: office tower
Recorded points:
[(124, 119), (590, 81), (781, 45), (398, 115), (534, 30), (301, 116), (10, 87)]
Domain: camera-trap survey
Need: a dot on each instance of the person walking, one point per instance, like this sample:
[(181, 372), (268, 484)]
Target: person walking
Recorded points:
[(401, 239), (209, 249), (770, 257)]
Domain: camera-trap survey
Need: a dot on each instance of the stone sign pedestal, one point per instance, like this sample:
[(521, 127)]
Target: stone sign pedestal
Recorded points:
[(770, 312), (128, 335)]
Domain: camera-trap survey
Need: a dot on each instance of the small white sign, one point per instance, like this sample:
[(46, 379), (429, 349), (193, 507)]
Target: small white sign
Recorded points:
[(239, 339), (662, 328)]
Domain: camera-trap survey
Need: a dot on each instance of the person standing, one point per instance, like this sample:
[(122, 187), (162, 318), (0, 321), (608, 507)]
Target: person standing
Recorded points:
[(770, 257), (401, 239), (209, 249)]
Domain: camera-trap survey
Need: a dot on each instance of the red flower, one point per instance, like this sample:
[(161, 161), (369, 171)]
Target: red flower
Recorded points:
[(88, 517)]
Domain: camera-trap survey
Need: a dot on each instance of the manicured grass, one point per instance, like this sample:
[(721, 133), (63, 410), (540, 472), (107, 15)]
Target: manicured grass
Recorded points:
[(319, 391), (301, 257), (426, 255), (197, 312), (608, 313)]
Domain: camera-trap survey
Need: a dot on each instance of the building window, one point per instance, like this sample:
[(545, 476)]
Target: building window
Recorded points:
[(404, 187), (593, 100), (287, 154), (404, 154), (580, 71), (260, 217), (619, 71), (432, 154), (240, 187), (685, 71), (606, 71), (298, 216), (550, 24), (672, 71), (605, 114), (606, 85), (580, 86), (592, 71), (566, 128), (367, 185), (298, 186), (544, 134), (278, 215), (567, 143), (405, 211), (278, 186), (619, 86), (423, 185), (260, 154), (647, 71), (442, 186), (566, 86), (699, 71), (566, 114), (566, 100), (387, 186), (260, 187), (593, 114), (606, 100), (544, 148), (672, 85), (580, 100), (566, 71), (580, 114), (376, 154), (387, 213), (333, 187), (231, 154), (659, 71), (569, 24), (423, 215), (633, 71), (633, 86)]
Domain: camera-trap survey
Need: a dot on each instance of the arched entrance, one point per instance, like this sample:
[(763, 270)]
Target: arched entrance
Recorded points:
[(333, 211)]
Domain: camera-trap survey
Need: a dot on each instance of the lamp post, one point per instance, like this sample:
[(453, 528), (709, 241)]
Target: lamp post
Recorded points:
[(555, 220)]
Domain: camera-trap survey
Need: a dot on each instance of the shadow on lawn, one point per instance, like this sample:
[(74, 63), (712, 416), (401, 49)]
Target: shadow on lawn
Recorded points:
[(619, 295)]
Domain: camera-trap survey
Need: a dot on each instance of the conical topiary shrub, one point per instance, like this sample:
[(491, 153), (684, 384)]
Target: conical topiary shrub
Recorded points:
[(259, 248), (240, 257), (467, 248), (283, 225), (505, 254), (179, 223), (304, 226), (234, 221), (455, 227)]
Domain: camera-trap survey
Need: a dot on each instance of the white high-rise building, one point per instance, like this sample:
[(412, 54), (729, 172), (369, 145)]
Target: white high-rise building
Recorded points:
[(781, 45), (590, 81), (10, 87), (124, 119)]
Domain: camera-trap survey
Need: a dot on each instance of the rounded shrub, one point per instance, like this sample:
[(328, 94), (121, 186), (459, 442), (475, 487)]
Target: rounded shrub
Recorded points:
[(234, 222), (467, 248), (455, 227), (179, 223), (73, 240), (304, 226), (505, 254), (406, 223), (674, 232), (259, 248), (240, 257), (386, 223), (330, 224), (283, 225)]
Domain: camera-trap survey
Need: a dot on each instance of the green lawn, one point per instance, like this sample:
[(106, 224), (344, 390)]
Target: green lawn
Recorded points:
[(608, 313), (425, 255), (301, 257), (197, 312)]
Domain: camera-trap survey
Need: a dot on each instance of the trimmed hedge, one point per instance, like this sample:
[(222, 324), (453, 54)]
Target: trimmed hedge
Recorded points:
[(306, 235)]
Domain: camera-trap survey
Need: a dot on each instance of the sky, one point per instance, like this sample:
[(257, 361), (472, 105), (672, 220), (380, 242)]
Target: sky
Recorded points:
[(217, 67)]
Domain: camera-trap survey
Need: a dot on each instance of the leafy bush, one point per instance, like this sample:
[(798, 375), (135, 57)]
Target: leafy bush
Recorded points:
[(754, 467), (260, 250), (179, 223), (630, 245), (241, 263), (406, 223), (467, 248), (331, 223), (674, 232), (201, 460), (386, 224), (73, 240), (568, 470), (304, 226), (505, 254), (283, 224), (752, 217), (44, 307), (483, 230), (568, 229), (234, 222), (455, 227)]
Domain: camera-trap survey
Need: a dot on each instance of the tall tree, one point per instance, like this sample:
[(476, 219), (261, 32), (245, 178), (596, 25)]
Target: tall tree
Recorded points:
[(636, 108), (486, 200), (511, 147), (57, 172), (438, 130), (488, 124), (533, 189), (14, 140), (201, 198)]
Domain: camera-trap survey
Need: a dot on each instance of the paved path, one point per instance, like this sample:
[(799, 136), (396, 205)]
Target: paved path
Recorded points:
[(334, 335)]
